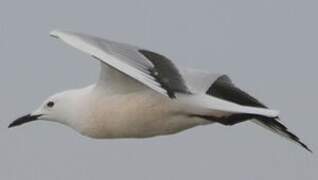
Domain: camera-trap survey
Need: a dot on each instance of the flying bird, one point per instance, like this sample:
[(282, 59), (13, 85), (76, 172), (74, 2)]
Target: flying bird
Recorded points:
[(141, 93)]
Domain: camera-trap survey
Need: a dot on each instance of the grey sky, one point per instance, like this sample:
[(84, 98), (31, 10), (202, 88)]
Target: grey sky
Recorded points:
[(268, 47)]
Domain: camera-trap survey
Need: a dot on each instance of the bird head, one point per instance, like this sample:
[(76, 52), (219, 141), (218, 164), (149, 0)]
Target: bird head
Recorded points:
[(57, 108)]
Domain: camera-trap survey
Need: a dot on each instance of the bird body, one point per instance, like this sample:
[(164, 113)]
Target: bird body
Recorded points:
[(142, 94), (134, 115), (138, 114)]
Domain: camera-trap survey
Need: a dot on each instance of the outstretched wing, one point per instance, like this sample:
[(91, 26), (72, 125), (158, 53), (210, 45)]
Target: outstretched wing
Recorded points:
[(149, 68), (154, 71)]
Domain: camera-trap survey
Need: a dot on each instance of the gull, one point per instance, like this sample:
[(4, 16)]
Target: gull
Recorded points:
[(141, 93)]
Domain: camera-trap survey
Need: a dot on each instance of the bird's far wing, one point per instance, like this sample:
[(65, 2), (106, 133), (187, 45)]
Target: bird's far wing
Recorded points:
[(149, 68), (205, 99), (199, 81)]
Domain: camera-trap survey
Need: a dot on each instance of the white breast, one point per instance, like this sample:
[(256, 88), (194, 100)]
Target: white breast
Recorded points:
[(135, 115)]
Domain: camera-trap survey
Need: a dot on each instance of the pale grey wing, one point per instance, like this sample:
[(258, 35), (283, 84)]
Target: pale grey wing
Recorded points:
[(199, 81), (207, 85), (149, 68), (217, 85), (203, 84)]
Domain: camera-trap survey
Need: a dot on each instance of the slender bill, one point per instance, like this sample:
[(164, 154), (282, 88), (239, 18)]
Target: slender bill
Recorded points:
[(24, 119)]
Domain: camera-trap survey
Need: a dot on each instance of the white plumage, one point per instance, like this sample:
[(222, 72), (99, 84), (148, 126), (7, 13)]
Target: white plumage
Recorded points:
[(141, 93)]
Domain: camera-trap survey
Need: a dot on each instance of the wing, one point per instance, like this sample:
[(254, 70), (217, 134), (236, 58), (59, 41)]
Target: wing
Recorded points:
[(199, 81), (149, 68), (209, 89), (154, 71)]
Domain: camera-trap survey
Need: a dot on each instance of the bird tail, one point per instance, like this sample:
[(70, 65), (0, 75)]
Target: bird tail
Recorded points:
[(276, 127)]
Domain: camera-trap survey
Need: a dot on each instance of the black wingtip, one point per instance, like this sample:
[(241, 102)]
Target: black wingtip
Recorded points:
[(305, 146), (277, 127), (11, 125), (54, 36)]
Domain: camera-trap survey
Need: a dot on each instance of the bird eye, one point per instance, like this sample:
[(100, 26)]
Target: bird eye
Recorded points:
[(50, 104)]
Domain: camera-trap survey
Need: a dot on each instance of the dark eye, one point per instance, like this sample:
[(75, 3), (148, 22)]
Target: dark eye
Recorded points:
[(50, 104)]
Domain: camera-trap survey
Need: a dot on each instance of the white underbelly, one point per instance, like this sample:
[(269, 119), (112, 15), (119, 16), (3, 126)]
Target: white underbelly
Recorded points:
[(138, 115)]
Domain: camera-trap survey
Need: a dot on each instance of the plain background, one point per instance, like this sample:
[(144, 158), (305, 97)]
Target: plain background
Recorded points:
[(268, 47)]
